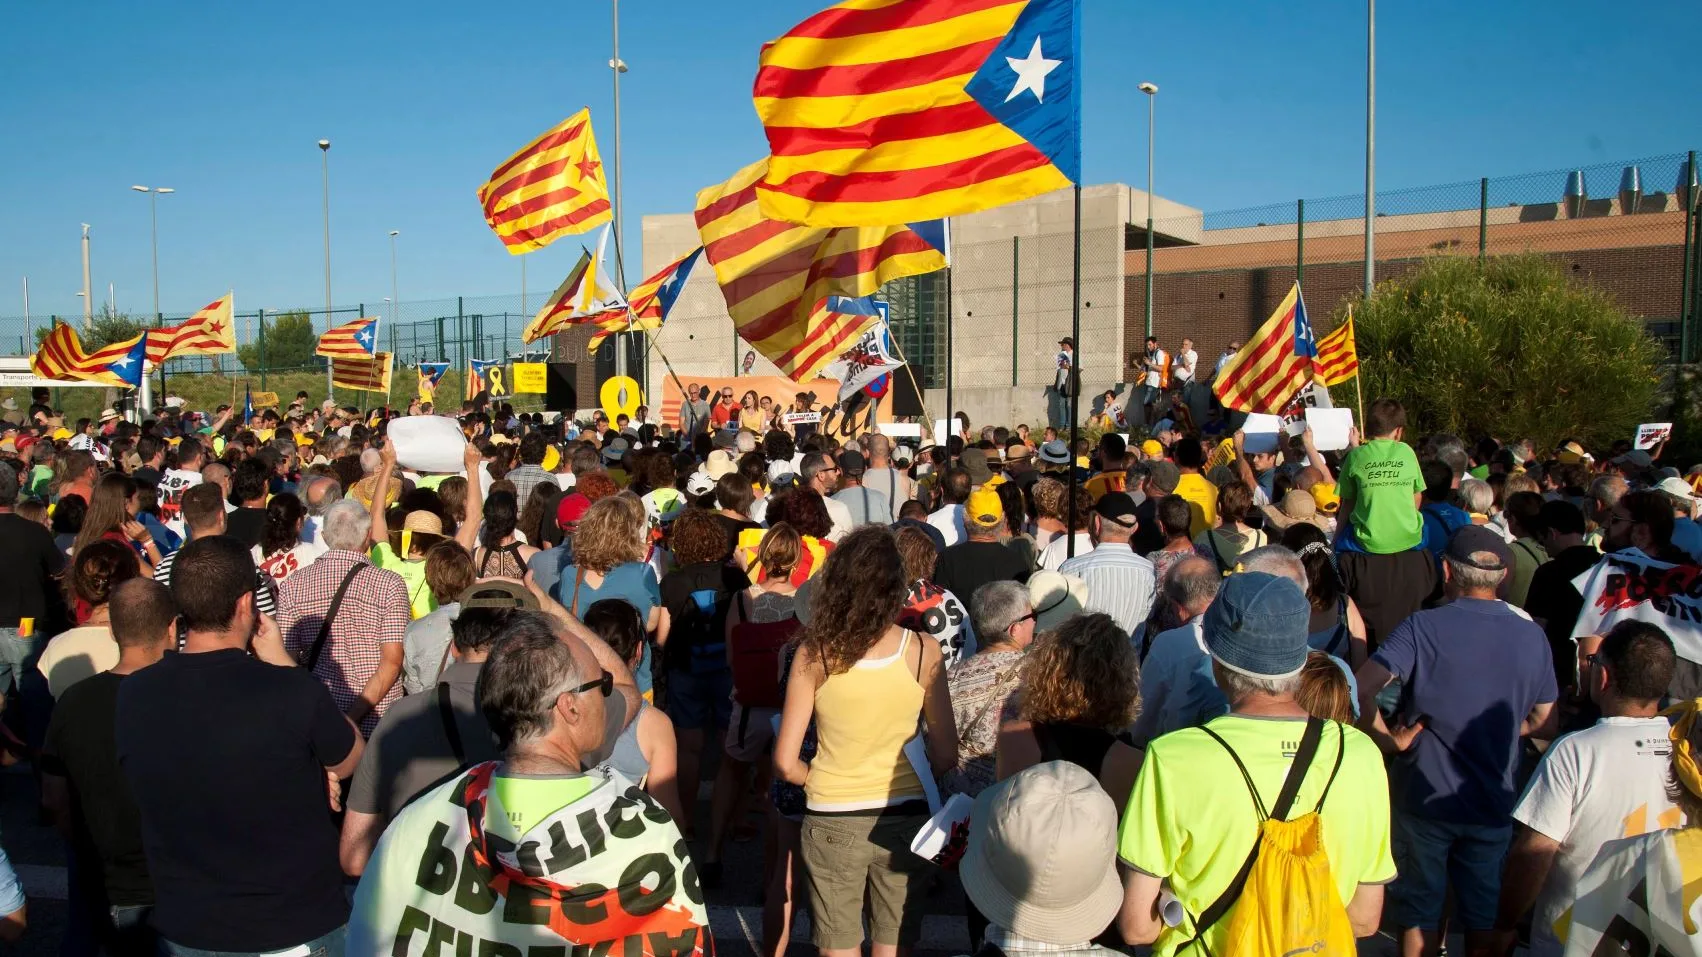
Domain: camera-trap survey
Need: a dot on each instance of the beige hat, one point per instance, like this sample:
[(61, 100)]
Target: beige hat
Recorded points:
[(1042, 856), (421, 520), (719, 463), (1298, 507), (1055, 598)]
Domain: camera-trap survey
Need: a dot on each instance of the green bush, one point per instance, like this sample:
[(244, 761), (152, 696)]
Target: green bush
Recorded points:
[(1507, 347)]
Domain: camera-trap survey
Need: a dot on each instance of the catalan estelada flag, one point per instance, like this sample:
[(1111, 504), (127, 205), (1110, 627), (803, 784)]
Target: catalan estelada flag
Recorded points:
[(553, 187), (1276, 363), (208, 332), (477, 370), (61, 356), (650, 302), (774, 275), (894, 111), (1338, 358), (367, 373), (588, 294), (353, 340), (431, 373)]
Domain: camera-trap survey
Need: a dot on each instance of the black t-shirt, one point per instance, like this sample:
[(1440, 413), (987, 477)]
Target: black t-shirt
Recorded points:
[(697, 597), (246, 524), (28, 589), (1148, 537), (966, 566), (82, 747), (734, 526), (226, 758), (146, 477), (1553, 599)]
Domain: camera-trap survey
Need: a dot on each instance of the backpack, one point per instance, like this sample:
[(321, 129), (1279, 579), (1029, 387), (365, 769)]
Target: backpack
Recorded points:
[(701, 631), (755, 649), (1288, 899)]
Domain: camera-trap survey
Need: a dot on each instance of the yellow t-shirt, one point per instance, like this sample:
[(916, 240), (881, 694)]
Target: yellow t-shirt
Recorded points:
[(1190, 821), (1105, 483), (421, 602), (1202, 502)]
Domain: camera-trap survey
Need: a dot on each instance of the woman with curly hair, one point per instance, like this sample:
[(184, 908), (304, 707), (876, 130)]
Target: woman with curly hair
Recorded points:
[(1081, 688), (89, 649), (696, 595), (608, 562), (281, 552), (865, 682)]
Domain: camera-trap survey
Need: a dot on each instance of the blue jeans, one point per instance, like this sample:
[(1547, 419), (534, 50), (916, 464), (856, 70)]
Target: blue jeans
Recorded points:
[(330, 945), (1057, 408), (14, 652), (130, 935), (1433, 856)]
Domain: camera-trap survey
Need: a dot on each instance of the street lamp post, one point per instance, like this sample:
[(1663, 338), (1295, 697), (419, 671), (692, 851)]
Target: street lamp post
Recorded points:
[(393, 298), (325, 180), (1151, 91), (617, 66), (154, 194), (1370, 146)]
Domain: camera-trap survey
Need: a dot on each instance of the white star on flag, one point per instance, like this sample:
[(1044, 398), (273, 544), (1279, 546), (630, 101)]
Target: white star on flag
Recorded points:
[(1031, 72), (123, 361)]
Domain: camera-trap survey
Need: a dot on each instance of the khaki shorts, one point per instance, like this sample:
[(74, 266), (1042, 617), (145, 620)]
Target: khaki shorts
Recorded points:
[(750, 733), (848, 855)]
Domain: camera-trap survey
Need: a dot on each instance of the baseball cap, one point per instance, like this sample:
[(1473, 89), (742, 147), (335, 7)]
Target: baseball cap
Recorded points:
[(1257, 626), (1067, 341), (1116, 507), (1325, 496), (699, 483), (571, 509), (851, 462), (1152, 447), (1164, 475), (1678, 488), (1041, 860), (1475, 539), (780, 473), (1055, 452), (1636, 457), (984, 507)]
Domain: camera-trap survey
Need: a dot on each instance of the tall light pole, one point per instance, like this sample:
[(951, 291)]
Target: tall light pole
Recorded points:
[(1151, 91), (87, 293), (617, 67), (325, 179), (1370, 146), (154, 194), (393, 298)]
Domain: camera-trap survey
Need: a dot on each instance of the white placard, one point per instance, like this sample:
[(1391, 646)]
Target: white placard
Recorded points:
[(1260, 433), (428, 443), (942, 429), (1651, 434), (900, 430), (1329, 428), (801, 418)]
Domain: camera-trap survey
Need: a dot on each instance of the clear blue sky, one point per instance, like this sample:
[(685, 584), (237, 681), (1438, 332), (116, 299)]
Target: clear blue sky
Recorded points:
[(1260, 103)]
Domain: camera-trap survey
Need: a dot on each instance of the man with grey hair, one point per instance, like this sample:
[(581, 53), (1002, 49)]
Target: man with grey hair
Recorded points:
[(1177, 690), (541, 827), (344, 618), (318, 493), (821, 473), (1120, 582), (1477, 677), (1187, 829), (982, 685)]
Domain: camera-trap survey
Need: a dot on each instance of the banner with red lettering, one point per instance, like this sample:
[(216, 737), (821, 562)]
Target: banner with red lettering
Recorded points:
[(1631, 585)]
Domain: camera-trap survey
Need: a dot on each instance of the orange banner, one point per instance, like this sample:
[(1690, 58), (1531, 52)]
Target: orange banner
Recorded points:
[(783, 391)]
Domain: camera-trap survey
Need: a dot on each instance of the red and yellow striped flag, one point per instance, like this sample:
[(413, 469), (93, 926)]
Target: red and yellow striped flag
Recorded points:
[(351, 340), (1276, 363), (553, 187), (775, 275), (1338, 358), (61, 356), (368, 373), (208, 332)]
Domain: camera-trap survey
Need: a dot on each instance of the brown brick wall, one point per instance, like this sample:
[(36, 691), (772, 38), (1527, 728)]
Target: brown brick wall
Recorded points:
[(1215, 307)]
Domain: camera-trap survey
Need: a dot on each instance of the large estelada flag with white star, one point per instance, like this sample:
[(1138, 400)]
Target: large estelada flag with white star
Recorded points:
[(61, 356), (883, 113), (208, 332), (351, 340)]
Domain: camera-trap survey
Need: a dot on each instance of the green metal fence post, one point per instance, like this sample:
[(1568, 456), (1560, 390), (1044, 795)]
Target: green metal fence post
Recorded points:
[(460, 334), (1482, 218), (1016, 302), (1300, 242), (260, 347)]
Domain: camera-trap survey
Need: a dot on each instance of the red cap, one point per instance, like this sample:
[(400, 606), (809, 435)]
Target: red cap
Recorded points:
[(571, 509)]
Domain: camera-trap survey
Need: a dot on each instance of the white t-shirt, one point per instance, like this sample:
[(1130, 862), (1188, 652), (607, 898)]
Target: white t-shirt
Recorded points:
[(1594, 786), (1186, 361), (1054, 554), (171, 488), (281, 565), (1157, 358), (841, 515), (949, 520), (77, 654)]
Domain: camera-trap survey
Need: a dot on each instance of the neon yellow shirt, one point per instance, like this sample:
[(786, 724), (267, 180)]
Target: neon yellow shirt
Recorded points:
[(1190, 821), (421, 602)]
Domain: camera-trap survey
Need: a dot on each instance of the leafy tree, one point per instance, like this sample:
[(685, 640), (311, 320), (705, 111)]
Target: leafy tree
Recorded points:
[(1508, 347), (106, 328), (290, 341)]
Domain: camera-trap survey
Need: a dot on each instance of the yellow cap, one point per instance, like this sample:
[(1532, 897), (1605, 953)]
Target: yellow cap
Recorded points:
[(552, 458), (303, 440), (60, 434), (1325, 497), (1152, 447), (984, 507)]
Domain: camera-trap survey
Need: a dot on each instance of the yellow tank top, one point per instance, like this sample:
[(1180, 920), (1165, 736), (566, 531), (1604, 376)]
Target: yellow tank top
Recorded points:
[(863, 718)]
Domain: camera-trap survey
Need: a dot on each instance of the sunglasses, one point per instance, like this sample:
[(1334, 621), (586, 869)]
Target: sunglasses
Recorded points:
[(605, 684), (1031, 616)]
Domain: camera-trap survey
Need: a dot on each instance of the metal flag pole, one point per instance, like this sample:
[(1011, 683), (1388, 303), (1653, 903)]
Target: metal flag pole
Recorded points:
[(1075, 374), (616, 67), (325, 179), (1370, 146)]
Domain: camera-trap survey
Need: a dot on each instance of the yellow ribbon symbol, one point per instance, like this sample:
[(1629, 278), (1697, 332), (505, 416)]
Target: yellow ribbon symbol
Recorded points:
[(621, 396), (494, 378)]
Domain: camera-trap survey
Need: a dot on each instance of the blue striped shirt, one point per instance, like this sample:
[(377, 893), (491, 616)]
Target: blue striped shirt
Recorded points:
[(1119, 582)]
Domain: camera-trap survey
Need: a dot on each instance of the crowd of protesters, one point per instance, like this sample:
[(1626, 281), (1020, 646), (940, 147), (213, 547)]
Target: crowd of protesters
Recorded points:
[(283, 692)]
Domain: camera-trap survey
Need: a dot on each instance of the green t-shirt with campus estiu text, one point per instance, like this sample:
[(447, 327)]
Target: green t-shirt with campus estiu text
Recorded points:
[(1381, 477), (1191, 821)]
